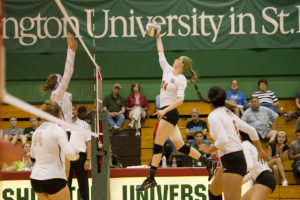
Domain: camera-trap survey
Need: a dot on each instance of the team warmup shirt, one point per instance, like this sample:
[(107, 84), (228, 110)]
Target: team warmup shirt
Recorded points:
[(254, 166), (224, 129), (172, 86), (49, 147), (60, 95)]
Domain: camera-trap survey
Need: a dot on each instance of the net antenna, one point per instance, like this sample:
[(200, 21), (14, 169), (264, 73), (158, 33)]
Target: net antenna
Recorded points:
[(98, 75)]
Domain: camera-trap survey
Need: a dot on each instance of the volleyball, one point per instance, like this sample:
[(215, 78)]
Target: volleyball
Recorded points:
[(153, 28)]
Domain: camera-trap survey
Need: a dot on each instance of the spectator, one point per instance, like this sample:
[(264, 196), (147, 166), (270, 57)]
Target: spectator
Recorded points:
[(277, 151), (297, 99), (266, 97), (14, 166), (157, 102), (199, 139), (235, 99), (84, 115), (14, 133), (259, 117), (298, 124), (82, 165), (29, 131), (194, 126), (136, 104), (115, 105), (294, 154), (27, 160)]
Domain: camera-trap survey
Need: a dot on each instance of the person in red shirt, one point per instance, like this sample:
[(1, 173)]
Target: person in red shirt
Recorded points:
[(136, 106)]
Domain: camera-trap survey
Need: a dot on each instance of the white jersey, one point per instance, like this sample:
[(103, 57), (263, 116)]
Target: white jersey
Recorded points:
[(172, 86), (78, 139), (224, 129), (59, 95), (49, 147), (254, 166)]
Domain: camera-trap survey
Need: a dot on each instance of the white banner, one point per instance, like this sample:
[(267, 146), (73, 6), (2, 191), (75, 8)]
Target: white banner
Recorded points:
[(168, 188)]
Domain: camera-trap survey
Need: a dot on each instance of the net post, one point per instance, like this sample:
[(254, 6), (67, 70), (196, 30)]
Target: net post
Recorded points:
[(101, 161)]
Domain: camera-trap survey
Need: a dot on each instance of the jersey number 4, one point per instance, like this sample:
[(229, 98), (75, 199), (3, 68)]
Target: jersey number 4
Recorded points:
[(164, 85), (235, 127)]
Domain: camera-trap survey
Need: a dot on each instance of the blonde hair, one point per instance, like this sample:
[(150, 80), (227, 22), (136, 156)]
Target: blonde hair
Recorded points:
[(51, 107), (193, 74), (50, 83)]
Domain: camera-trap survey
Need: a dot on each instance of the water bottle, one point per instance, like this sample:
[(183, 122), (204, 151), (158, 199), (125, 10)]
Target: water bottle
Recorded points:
[(164, 162), (174, 164), (281, 111)]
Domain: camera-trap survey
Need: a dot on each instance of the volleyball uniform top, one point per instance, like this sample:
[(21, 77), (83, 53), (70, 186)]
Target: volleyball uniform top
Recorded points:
[(60, 95), (254, 166), (172, 86), (49, 147), (224, 129)]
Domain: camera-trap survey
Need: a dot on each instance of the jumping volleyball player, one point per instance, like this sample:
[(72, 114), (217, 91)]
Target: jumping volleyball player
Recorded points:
[(224, 130), (264, 181), (57, 85), (171, 96)]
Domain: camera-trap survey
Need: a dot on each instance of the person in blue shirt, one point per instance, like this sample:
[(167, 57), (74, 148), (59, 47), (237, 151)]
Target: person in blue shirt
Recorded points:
[(235, 99)]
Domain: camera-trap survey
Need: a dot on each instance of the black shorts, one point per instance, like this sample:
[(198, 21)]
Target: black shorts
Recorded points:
[(171, 116), (266, 178), (235, 163), (49, 186)]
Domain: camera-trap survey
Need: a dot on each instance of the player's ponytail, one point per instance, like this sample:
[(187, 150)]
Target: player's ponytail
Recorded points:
[(50, 83)]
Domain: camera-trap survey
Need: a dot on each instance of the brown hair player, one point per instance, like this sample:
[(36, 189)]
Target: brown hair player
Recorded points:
[(171, 96)]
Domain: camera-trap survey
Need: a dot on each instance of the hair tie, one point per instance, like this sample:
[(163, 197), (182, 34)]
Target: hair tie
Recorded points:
[(57, 81)]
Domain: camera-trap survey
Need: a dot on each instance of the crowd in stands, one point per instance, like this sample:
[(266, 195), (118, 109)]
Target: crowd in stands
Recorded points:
[(260, 112)]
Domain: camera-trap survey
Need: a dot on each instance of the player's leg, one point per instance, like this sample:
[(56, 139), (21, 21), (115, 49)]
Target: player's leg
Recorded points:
[(216, 187), (62, 194)]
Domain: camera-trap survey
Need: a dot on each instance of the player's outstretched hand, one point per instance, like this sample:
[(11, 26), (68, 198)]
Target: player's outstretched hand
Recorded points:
[(72, 44)]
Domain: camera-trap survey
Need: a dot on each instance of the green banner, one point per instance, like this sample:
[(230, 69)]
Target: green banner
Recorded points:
[(39, 26)]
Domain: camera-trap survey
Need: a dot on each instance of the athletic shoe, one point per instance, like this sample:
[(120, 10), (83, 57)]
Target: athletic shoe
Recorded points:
[(284, 183), (148, 183), (137, 133), (131, 124)]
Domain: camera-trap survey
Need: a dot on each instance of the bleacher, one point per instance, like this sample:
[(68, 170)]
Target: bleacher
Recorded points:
[(291, 192)]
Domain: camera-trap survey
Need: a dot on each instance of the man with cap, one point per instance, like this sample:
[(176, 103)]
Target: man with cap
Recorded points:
[(115, 106)]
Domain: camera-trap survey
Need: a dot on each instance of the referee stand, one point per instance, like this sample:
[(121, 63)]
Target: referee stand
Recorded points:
[(101, 160)]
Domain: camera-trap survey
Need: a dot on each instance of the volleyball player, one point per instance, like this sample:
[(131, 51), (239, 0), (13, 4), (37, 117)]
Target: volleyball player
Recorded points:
[(57, 85), (50, 146), (264, 181), (224, 129), (171, 96)]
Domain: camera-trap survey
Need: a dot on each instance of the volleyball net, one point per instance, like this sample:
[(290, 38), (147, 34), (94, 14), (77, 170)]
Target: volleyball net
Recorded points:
[(31, 58)]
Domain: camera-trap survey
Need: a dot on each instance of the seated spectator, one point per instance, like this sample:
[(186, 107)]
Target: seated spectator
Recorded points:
[(14, 166), (235, 99), (14, 133), (294, 154), (199, 140), (297, 99), (115, 105), (157, 101), (266, 97), (194, 126), (259, 117), (277, 151), (136, 105), (27, 160), (29, 131)]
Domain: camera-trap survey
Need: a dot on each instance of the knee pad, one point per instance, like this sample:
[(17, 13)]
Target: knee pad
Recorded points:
[(157, 148), (213, 197), (185, 149)]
